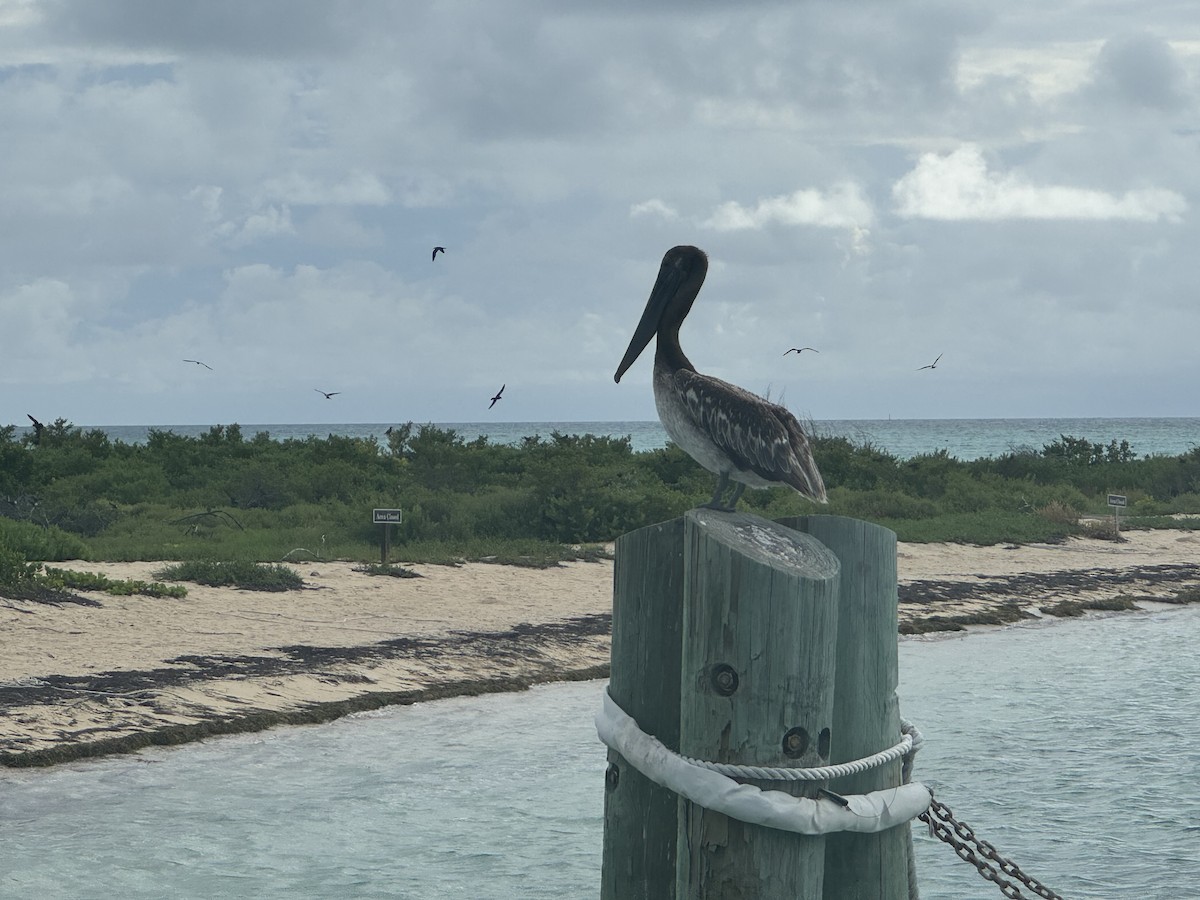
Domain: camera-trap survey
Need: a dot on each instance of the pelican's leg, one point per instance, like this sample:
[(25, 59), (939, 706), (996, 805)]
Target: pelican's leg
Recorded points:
[(715, 502), (737, 495)]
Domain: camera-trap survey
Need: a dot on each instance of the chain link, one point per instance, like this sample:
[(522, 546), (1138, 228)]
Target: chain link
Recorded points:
[(983, 856)]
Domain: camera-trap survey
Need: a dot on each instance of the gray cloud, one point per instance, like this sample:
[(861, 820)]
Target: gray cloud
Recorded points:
[(1139, 71), (262, 184), (271, 28)]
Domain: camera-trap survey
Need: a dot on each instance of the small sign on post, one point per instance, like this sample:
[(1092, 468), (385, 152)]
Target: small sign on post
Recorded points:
[(1117, 502), (386, 518)]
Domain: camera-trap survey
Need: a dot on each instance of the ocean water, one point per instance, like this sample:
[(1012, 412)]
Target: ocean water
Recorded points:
[(963, 438), (1073, 746)]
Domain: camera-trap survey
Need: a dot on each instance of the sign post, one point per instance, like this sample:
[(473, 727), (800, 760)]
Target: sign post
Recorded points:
[(387, 518), (1117, 502)]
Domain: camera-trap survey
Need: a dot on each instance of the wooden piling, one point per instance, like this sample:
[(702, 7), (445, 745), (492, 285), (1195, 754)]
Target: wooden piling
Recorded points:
[(759, 638), (866, 713), (744, 641), (640, 821)]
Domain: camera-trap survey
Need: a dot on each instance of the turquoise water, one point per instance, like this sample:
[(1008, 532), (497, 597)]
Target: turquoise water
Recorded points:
[(963, 438), (1073, 746)]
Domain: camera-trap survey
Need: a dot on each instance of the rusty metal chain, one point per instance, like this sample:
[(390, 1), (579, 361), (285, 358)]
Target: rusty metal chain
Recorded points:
[(983, 856)]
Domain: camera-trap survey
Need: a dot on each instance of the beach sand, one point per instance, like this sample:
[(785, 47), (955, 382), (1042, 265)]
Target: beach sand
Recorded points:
[(115, 673)]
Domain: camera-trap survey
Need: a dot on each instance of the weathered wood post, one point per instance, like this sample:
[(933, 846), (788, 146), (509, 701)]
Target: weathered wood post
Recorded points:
[(866, 712), (743, 641), (640, 823), (759, 636)]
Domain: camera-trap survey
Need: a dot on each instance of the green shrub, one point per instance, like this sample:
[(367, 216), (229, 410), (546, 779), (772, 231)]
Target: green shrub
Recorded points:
[(50, 544), (246, 575), (15, 569), (122, 587)]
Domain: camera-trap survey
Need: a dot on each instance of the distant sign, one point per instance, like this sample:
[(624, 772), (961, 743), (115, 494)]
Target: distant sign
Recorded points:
[(1116, 500), (386, 516)]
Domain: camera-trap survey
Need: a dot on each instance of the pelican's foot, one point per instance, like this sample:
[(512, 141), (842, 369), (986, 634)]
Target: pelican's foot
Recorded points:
[(722, 485)]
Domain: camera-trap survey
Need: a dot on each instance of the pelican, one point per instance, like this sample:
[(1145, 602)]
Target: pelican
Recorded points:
[(729, 431)]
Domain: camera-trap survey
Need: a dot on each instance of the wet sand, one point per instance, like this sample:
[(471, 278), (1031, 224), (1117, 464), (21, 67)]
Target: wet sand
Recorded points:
[(110, 674)]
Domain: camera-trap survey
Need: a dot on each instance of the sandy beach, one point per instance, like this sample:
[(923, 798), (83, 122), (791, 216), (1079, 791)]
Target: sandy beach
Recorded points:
[(110, 674)]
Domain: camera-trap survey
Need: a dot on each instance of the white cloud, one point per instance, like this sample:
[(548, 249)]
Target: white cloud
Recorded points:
[(1046, 70), (959, 187), (355, 189), (270, 222), (654, 207), (842, 206)]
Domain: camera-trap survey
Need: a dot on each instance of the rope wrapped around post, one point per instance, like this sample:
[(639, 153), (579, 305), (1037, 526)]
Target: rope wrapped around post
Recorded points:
[(701, 784)]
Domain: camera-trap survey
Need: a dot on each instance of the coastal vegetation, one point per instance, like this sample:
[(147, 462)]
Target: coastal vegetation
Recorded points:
[(76, 494)]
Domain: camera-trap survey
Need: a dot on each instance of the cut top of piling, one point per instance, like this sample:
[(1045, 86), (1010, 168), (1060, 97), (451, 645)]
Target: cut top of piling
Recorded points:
[(768, 543)]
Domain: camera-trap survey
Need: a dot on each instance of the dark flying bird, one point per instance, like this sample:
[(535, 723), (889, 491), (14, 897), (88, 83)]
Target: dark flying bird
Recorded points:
[(729, 431), (436, 251), (37, 429), (327, 394), (497, 397), (799, 350), (197, 362), (932, 365)]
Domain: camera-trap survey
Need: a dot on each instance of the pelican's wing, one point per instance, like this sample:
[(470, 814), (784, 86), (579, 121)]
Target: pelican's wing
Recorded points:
[(757, 435)]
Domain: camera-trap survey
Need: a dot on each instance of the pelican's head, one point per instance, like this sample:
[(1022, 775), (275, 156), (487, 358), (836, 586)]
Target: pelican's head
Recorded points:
[(679, 278)]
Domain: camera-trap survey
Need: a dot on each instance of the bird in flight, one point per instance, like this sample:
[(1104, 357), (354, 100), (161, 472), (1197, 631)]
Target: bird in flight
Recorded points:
[(327, 394), (197, 362), (497, 397), (37, 429), (436, 251), (932, 365), (799, 350)]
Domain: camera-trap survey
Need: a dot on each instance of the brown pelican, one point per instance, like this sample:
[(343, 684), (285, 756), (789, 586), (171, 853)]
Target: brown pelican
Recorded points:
[(799, 350), (932, 365), (436, 251), (327, 394), (197, 362), (497, 397), (729, 431)]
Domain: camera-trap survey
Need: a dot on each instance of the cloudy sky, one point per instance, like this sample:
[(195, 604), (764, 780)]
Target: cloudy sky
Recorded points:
[(259, 184)]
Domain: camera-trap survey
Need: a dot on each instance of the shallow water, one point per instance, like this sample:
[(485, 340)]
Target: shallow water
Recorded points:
[(1073, 746)]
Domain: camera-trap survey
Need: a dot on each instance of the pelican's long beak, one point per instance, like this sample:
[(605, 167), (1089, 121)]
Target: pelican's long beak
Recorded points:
[(670, 278)]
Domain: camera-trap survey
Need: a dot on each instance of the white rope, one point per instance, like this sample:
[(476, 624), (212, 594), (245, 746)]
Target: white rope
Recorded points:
[(908, 744), (876, 811)]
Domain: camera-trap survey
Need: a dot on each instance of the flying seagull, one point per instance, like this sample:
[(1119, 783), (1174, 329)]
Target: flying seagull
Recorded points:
[(436, 251), (932, 365), (327, 394), (497, 397), (799, 350), (726, 429), (197, 362)]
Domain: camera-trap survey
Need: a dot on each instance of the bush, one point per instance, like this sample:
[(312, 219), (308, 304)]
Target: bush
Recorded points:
[(49, 544), (1059, 513), (246, 575), (15, 569)]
